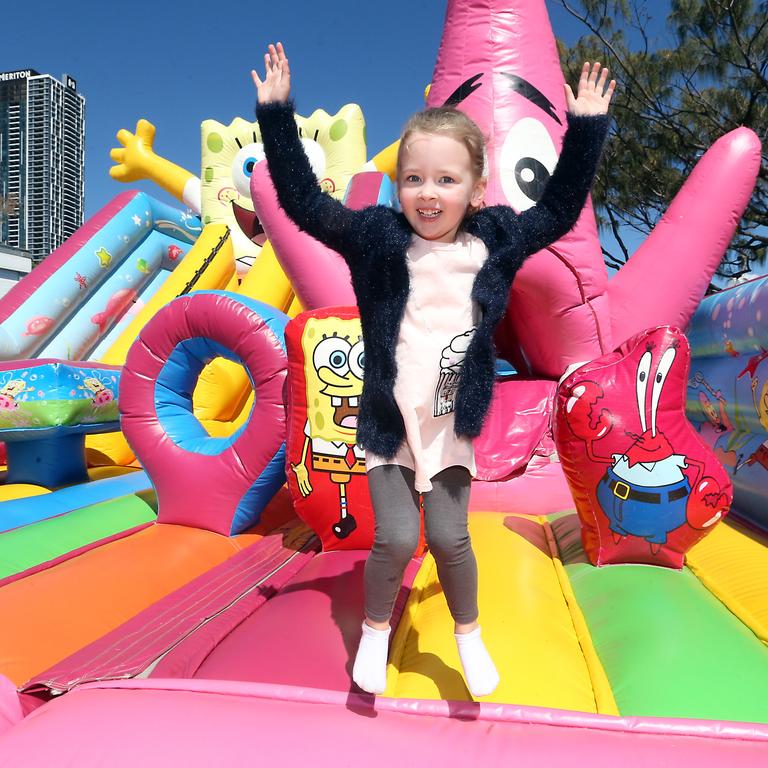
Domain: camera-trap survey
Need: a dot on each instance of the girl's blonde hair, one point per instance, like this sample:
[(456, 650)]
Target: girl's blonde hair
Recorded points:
[(452, 122)]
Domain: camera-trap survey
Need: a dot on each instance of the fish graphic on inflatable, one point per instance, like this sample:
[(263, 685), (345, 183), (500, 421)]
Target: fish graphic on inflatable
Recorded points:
[(116, 305), (38, 326)]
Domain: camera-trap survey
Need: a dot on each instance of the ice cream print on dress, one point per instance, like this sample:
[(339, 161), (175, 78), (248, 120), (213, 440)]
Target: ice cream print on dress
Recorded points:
[(450, 369)]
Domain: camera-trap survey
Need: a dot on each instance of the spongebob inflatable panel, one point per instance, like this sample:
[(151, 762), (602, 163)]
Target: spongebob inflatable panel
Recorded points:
[(335, 145), (326, 467)]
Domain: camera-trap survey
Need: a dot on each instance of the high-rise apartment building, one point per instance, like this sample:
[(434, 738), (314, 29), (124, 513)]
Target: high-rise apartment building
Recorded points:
[(42, 152)]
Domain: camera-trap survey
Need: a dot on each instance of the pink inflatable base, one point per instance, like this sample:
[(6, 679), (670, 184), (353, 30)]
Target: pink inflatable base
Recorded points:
[(11, 711), (204, 723), (327, 594), (540, 490)]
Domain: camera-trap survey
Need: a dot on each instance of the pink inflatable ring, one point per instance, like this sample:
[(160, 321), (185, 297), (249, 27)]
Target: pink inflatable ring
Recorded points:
[(235, 475)]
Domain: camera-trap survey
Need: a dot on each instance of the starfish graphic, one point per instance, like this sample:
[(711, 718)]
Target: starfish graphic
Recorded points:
[(753, 362), (104, 257)]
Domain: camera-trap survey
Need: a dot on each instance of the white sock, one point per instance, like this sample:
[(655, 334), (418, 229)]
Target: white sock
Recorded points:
[(370, 669), (479, 670)]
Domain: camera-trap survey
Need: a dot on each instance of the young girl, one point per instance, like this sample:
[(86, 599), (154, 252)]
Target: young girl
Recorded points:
[(431, 284)]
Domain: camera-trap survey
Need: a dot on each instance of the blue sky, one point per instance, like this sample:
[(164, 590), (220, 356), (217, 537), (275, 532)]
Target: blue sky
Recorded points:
[(177, 65)]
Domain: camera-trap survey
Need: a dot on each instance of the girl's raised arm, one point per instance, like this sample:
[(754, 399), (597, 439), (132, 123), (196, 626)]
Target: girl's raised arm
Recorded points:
[(566, 192), (298, 192)]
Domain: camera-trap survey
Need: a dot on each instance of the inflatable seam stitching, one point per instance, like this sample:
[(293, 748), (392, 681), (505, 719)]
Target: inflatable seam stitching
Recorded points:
[(738, 607), (605, 704)]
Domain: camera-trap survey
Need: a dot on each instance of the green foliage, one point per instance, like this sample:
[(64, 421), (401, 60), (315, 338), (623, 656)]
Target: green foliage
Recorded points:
[(675, 98)]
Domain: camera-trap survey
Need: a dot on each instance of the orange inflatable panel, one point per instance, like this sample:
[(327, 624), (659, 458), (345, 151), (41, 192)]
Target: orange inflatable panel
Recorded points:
[(55, 612)]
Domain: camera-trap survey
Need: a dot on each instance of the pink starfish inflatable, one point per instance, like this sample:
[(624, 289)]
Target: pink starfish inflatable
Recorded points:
[(498, 62)]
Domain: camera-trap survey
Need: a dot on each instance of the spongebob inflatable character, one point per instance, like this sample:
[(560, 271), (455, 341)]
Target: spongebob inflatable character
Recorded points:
[(10, 391), (335, 145), (101, 393), (334, 355)]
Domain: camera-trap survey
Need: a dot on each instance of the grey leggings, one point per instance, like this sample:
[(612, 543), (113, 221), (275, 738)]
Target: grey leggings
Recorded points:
[(396, 509)]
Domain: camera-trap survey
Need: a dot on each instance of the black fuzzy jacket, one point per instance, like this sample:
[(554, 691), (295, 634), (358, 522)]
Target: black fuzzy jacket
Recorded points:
[(374, 241)]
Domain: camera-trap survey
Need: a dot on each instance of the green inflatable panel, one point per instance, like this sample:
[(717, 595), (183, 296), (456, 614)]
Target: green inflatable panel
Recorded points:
[(668, 646), (32, 545)]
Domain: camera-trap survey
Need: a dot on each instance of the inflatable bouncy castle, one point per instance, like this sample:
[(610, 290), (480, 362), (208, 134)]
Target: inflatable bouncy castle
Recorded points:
[(616, 514)]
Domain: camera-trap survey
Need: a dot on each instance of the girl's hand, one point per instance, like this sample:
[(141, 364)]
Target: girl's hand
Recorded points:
[(276, 85), (593, 97)]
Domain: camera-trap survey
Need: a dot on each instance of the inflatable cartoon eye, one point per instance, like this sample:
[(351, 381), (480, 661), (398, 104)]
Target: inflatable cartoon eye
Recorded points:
[(526, 162), (332, 352), (658, 382), (316, 155), (357, 359), (243, 164), (643, 371)]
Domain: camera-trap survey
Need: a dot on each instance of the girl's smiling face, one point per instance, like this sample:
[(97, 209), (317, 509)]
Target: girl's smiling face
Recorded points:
[(436, 185)]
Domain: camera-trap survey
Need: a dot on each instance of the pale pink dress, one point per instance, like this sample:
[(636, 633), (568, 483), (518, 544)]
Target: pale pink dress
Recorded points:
[(439, 320)]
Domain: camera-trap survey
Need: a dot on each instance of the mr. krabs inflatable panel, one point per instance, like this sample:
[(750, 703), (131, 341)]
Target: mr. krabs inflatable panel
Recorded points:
[(324, 465), (646, 486)]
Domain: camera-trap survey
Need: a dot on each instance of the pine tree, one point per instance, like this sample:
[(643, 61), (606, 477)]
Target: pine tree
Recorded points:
[(672, 103)]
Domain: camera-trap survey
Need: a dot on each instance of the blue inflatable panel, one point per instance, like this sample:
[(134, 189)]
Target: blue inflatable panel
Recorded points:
[(728, 390), (18, 512)]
